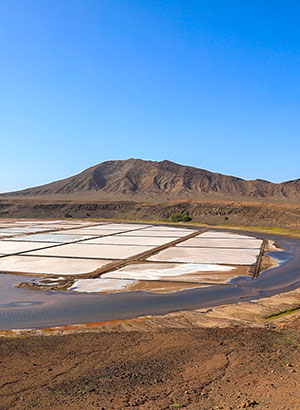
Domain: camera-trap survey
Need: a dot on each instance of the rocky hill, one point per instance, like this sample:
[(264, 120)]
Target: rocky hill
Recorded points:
[(136, 178)]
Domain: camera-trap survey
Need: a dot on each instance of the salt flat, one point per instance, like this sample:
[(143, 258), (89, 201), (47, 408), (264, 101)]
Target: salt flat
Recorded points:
[(169, 228), (9, 247), (60, 227), (170, 232), (50, 237), (222, 243), (209, 258), (207, 255), (41, 226), (48, 222), (93, 251), (89, 232), (100, 285), (25, 229), (49, 266), (121, 226), (131, 240), (173, 272), (115, 285), (224, 235), (153, 233)]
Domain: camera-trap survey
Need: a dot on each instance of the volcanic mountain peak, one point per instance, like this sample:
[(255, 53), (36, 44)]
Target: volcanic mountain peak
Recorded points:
[(137, 178)]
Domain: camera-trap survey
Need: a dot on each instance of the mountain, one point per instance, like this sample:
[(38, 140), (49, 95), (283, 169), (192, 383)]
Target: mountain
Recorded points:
[(139, 179)]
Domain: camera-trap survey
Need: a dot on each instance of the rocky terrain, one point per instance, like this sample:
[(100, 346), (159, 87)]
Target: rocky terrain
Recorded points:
[(212, 213), (192, 368), (136, 178), (134, 189)]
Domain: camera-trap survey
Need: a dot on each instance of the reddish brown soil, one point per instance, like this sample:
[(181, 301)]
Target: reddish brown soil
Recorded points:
[(166, 369)]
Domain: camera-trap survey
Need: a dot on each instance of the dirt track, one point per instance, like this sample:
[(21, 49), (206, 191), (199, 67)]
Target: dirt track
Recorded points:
[(165, 369)]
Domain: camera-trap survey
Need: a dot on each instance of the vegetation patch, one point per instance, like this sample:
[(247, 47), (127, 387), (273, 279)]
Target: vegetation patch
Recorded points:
[(282, 313), (180, 217)]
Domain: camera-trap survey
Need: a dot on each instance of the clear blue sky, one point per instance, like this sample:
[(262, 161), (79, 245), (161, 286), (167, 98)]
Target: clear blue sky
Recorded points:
[(213, 84)]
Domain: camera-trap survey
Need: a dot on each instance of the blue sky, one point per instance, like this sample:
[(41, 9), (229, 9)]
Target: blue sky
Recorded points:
[(212, 84)]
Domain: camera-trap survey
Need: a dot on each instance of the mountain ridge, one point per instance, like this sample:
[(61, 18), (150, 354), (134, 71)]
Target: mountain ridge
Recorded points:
[(137, 178)]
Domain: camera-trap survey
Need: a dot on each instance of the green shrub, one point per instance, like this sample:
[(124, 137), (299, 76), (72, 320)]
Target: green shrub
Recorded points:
[(180, 217)]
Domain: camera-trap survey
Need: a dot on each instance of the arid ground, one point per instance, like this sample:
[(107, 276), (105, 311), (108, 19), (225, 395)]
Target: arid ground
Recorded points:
[(194, 368), (213, 212)]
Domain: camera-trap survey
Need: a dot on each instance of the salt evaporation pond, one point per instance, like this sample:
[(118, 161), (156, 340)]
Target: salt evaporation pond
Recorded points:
[(21, 308)]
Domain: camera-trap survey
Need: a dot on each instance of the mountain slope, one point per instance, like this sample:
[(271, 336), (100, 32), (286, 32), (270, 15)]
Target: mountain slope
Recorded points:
[(158, 180)]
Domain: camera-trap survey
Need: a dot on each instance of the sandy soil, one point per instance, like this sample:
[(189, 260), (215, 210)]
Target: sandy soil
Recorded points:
[(196, 368), (165, 287)]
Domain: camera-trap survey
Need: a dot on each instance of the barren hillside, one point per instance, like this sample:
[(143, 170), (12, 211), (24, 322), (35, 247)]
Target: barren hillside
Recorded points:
[(139, 179)]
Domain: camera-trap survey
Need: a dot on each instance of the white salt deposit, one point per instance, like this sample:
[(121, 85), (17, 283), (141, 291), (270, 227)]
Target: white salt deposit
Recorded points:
[(50, 237), (104, 242), (222, 243), (131, 240), (170, 229), (121, 227), (9, 247), (100, 285), (223, 235), (160, 271), (207, 255), (50, 266), (90, 232), (169, 232), (83, 250), (24, 229), (47, 222), (149, 233)]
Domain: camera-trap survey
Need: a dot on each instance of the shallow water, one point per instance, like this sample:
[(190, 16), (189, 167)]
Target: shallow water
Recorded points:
[(21, 308)]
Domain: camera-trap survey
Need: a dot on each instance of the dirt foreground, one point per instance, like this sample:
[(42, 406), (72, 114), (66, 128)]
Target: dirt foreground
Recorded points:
[(194, 368), (228, 357)]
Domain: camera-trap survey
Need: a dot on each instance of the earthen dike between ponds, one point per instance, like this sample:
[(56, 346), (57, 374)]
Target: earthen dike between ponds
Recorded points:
[(25, 309)]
